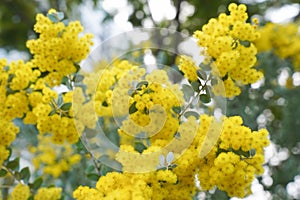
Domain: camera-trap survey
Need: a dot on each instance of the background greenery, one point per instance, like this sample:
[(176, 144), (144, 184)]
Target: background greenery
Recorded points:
[(270, 105)]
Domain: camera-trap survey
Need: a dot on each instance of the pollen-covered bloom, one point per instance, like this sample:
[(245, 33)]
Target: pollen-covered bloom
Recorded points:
[(229, 50), (59, 48), (284, 39), (51, 158)]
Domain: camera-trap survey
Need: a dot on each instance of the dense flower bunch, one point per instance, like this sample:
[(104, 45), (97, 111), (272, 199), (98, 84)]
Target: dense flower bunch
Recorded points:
[(235, 157), (161, 144), (58, 49), (229, 49), (22, 192), (26, 92), (27, 84), (284, 39), (53, 159)]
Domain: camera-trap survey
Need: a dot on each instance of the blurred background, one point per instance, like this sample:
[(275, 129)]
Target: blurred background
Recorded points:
[(271, 103)]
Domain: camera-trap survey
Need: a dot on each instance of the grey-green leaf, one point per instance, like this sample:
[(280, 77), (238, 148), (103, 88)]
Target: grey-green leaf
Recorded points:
[(93, 177), (245, 43), (53, 17), (25, 174), (36, 184), (191, 113), (176, 109), (140, 84), (14, 164), (205, 98), (188, 91), (201, 74), (140, 147), (196, 85), (66, 106), (170, 158)]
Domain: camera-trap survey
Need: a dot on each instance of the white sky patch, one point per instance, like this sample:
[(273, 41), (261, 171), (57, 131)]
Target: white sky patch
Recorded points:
[(114, 5), (189, 47), (162, 9), (91, 20), (283, 76), (186, 10), (296, 78), (283, 14), (13, 55)]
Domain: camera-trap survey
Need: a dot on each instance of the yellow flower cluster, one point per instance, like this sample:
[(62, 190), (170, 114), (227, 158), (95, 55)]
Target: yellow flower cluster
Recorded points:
[(283, 38), (10, 107), (51, 158), (58, 48), (154, 101), (126, 186), (23, 89), (22, 192), (188, 67), (60, 124), (235, 159), (14, 78), (228, 42), (52, 193), (221, 153), (106, 79)]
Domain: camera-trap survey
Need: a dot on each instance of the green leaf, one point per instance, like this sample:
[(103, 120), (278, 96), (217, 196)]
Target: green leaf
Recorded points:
[(172, 166), (77, 66), (93, 177), (245, 43), (60, 16), (52, 112), (66, 22), (14, 164), (36, 184), (132, 108), (3, 172), (105, 169), (53, 17), (140, 147), (140, 84), (176, 109), (65, 80), (191, 113), (188, 91), (204, 98), (201, 74), (60, 100), (205, 67), (25, 174), (89, 169), (208, 91), (147, 91), (66, 106), (196, 85), (177, 135), (252, 152)]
